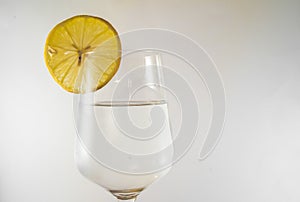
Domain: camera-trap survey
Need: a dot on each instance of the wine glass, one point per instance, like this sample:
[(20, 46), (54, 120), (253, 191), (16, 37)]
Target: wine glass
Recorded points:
[(124, 140)]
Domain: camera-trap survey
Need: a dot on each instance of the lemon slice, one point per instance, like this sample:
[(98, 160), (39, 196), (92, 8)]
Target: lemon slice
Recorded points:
[(82, 53)]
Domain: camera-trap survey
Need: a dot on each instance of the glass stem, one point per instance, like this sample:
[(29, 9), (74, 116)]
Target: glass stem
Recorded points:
[(128, 200)]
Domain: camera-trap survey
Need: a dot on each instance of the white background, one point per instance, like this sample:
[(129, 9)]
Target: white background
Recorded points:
[(256, 45)]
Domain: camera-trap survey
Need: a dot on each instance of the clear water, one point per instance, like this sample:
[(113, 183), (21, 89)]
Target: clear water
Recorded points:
[(135, 128)]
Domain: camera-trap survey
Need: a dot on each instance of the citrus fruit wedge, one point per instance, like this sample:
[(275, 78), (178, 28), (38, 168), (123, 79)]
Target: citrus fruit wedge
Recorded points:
[(82, 53)]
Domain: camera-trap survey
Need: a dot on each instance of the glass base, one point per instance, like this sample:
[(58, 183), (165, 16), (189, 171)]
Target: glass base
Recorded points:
[(126, 194)]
